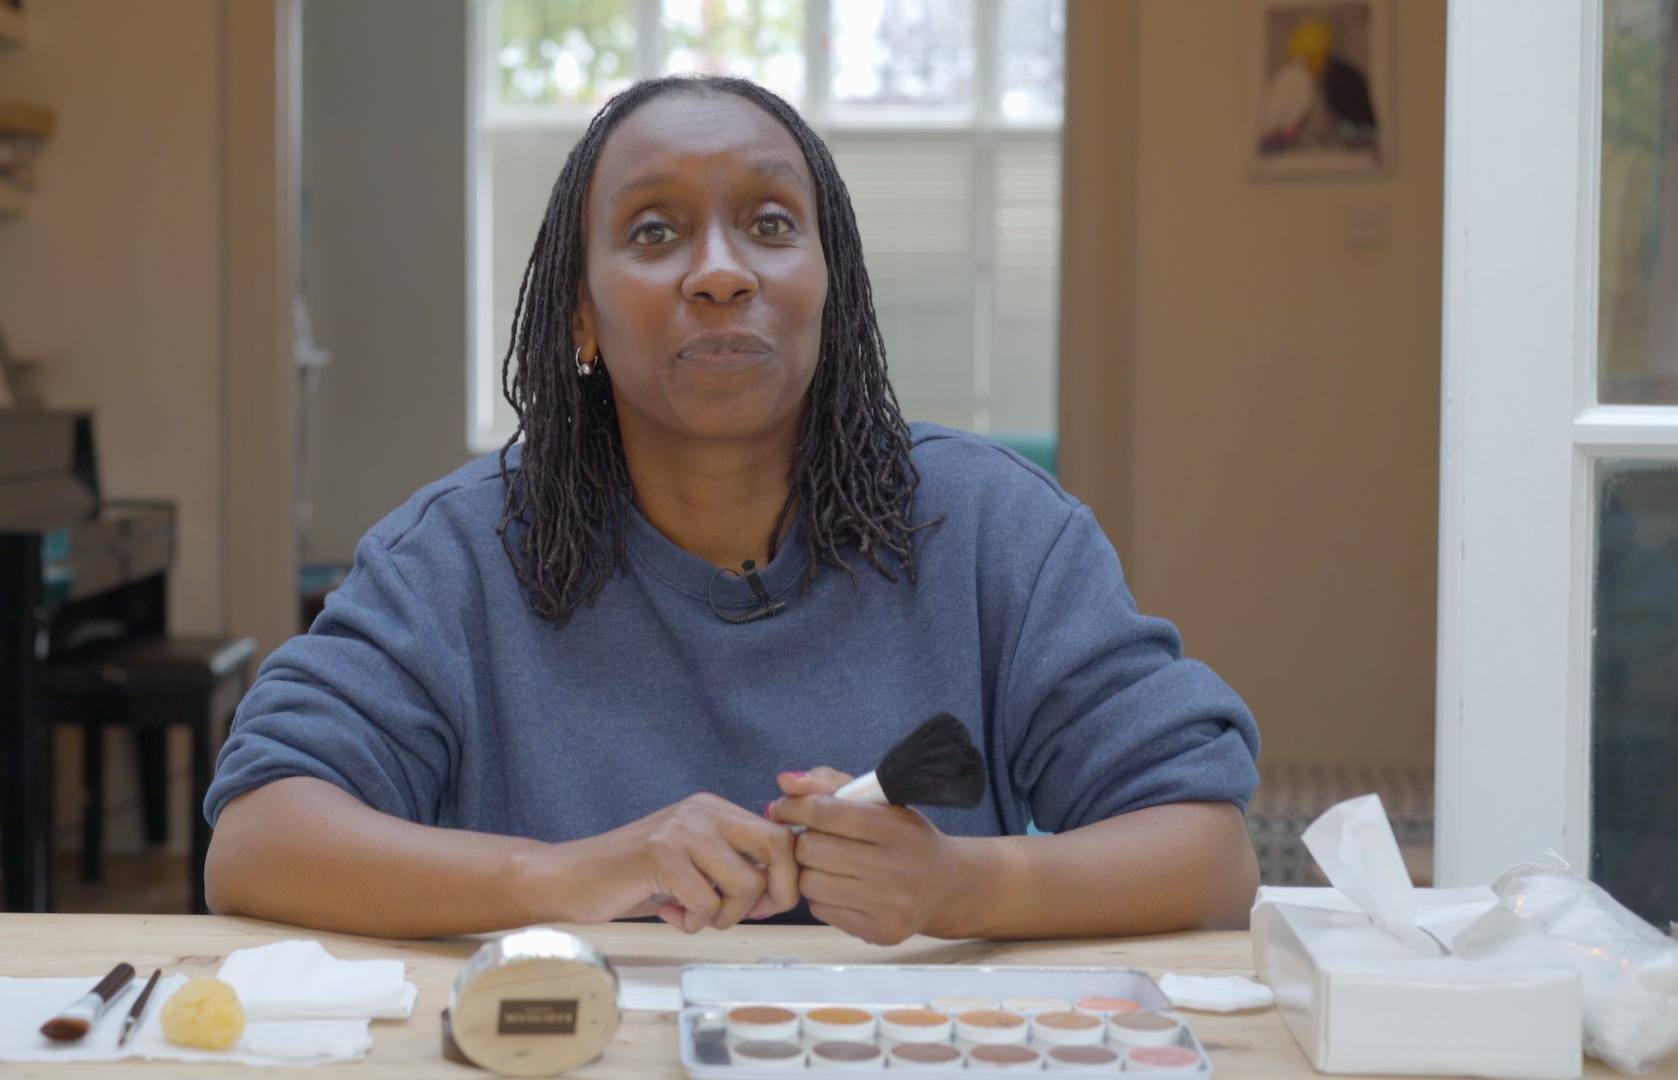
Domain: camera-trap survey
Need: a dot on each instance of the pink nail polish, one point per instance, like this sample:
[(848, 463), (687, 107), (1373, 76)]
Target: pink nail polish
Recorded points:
[(801, 774), (768, 806)]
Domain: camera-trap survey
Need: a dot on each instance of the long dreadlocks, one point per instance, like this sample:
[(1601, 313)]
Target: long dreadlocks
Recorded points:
[(851, 478)]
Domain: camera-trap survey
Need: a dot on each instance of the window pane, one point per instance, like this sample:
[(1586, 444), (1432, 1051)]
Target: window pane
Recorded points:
[(523, 167), (1634, 699), (914, 207), (1638, 318), (903, 53), (1025, 314), (1033, 42), (564, 52), (761, 40)]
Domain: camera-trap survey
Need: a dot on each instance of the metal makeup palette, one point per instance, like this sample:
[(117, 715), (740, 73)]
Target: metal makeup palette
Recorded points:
[(773, 1021)]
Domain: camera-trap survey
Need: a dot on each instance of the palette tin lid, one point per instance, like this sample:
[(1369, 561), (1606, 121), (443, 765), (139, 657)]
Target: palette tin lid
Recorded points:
[(892, 985)]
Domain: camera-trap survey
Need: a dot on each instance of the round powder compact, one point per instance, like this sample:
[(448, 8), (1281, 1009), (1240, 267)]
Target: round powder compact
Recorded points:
[(955, 1003), (925, 1056), (757, 1054), (1145, 1029), (845, 1055), (1067, 1028), (1022, 1058), (838, 1023), (990, 1027), (1029, 1005), (915, 1026), (535, 1002), (1108, 1006), (762, 1023), (1161, 1059), (1084, 1059)]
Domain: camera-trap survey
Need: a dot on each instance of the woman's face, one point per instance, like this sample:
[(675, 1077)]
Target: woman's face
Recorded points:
[(704, 278)]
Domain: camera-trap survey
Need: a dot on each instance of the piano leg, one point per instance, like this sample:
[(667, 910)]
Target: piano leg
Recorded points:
[(25, 737)]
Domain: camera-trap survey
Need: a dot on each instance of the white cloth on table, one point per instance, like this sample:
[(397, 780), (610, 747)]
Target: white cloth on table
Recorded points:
[(273, 983)]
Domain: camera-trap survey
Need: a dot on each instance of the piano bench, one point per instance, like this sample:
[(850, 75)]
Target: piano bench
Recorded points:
[(150, 685)]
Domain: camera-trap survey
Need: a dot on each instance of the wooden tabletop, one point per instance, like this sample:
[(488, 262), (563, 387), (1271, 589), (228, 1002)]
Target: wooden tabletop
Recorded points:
[(1254, 1044)]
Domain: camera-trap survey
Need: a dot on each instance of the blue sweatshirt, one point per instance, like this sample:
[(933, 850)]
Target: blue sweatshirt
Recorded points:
[(428, 690)]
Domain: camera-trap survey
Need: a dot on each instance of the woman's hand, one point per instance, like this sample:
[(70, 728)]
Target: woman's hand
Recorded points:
[(700, 862), (880, 873)]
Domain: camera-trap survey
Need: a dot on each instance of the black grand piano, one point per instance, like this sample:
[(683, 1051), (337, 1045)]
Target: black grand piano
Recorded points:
[(74, 567)]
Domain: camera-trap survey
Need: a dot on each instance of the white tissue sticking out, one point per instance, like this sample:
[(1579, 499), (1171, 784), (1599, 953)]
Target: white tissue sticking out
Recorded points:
[(1354, 844), (300, 980), (1220, 993), (1629, 970)]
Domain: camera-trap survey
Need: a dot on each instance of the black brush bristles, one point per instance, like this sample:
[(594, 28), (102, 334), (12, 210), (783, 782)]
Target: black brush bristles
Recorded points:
[(934, 765)]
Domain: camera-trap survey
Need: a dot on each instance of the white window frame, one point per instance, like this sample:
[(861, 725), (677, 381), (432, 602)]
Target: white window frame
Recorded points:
[(985, 130), (1521, 435)]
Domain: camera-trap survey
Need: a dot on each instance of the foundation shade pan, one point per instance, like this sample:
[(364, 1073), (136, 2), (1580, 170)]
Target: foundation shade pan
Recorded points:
[(915, 1026), (1083, 1059), (925, 1056), (951, 1004), (1029, 1005), (843, 1054), (838, 1023), (1014, 1058), (1145, 1029), (1107, 1006), (1067, 1028), (763, 1054), (990, 1027), (762, 1023), (1161, 1059)]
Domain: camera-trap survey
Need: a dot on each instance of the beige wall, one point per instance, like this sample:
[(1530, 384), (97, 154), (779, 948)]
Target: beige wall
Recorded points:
[(113, 279), (112, 276), (1272, 355)]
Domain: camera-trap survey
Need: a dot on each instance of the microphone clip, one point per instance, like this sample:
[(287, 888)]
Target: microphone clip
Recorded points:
[(767, 608)]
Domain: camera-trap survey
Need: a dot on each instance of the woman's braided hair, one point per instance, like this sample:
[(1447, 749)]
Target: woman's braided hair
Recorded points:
[(851, 481)]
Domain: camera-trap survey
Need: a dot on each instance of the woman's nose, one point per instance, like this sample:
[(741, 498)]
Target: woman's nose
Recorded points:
[(719, 272)]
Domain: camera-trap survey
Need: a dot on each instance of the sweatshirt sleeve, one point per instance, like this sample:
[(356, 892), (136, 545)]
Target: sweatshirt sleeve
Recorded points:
[(1102, 714), (370, 699)]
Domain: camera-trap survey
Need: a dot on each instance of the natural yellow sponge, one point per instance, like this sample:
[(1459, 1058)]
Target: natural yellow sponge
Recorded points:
[(204, 1013)]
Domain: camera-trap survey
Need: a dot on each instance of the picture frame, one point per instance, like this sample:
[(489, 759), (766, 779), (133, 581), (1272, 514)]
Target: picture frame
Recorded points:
[(1322, 87)]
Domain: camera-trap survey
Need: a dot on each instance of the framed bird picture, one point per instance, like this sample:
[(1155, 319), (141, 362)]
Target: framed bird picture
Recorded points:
[(1322, 100)]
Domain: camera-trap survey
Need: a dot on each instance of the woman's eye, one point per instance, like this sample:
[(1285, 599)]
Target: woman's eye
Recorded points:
[(653, 232), (772, 225)]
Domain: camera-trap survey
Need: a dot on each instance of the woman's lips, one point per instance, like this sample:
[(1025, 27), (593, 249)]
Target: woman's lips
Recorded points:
[(724, 352)]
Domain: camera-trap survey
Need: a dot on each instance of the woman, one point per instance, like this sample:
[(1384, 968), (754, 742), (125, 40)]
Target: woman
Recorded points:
[(540, 697)]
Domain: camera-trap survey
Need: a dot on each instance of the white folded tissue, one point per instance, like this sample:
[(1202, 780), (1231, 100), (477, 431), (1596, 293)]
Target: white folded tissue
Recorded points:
[(1473, 961), (302, 1007), (1376, 976), (1215, 993)]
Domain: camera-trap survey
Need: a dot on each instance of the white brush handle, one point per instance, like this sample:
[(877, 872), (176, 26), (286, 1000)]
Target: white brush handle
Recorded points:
[(864, 789)]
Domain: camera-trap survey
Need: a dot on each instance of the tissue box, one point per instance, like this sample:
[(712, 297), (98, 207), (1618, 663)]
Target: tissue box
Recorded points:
[(1360, 1001)]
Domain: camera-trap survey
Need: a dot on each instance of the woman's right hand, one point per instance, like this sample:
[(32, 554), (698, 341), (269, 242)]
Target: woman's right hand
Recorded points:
[(701, 862)]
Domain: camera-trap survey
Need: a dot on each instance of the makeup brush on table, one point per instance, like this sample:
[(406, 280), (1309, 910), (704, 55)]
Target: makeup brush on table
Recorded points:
[(934, 765)]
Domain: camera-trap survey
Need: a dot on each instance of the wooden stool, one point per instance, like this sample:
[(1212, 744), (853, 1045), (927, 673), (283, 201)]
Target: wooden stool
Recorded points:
[(150, 685)]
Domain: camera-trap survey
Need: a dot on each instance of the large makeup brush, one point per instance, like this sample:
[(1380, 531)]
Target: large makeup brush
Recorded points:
[(934, 765)]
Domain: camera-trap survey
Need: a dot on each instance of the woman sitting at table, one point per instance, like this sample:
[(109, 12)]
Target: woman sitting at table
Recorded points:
[(544, 693)]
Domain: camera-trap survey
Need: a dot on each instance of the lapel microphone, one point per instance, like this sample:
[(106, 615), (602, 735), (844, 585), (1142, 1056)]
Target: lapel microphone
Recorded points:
[(766, 608)]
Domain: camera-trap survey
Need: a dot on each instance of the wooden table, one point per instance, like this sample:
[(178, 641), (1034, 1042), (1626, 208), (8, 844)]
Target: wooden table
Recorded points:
[(1254, 1044)]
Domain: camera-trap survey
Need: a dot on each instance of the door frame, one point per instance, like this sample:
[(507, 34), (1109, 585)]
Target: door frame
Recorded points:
[(1522, 434), (260, 138)]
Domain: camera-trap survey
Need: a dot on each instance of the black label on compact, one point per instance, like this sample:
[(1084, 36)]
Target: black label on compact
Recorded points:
[(542, 1017)]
